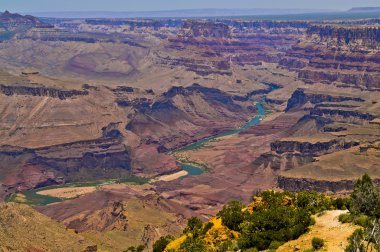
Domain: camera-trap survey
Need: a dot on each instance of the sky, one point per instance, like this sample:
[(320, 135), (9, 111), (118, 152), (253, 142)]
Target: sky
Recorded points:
[(158, 5)]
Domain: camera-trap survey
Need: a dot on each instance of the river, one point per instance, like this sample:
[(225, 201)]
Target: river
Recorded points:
[(194, 170)]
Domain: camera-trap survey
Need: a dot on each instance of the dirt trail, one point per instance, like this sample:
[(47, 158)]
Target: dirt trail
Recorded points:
[(328, 228)]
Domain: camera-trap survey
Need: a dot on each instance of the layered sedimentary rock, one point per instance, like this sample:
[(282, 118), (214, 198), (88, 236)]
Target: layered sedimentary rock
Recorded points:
[(302, 184), (342, 55), (287, 155), (79, 161), (10, 90), (209, 48), (300, 98), (205, 29), (185, 114)]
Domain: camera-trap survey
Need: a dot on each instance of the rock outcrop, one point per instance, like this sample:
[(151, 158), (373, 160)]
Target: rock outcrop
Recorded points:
[(305, 184), (347, 56), (10, 90), (199, 110), (300, 98), (79, 161)]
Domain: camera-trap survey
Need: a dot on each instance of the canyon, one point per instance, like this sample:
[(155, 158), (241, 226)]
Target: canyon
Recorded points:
[(250, 104)]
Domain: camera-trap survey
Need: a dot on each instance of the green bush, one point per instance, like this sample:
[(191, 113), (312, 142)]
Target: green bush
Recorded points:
[(161, 243), (355, 241), (317, 243), (277, 223), (136, 249), (342, 203), (251, 250), (346, 218), (232, 215), (361, 220), (207, 227), (275, 245), (194, 226), (365, 198), (193, 245)]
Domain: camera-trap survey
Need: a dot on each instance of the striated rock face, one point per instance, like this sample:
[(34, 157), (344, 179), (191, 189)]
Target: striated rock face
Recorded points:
[(40, 91), (347, 56), (287, 155), (212, 47), (137, 23), (111, 217), (304, 184), (339, 115), (79, 161), (199, 111), (299, 98), (194, 28), (367, 37), (266, 24), (313, 149)]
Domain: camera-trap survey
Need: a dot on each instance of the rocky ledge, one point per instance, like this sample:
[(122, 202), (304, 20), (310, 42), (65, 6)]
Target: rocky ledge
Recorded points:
[(304, 184), (10, 90)]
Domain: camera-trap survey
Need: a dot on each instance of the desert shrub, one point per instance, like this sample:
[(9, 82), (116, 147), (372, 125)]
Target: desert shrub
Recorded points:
[(275, 245), (365, 211), (361, 220), (193, 245), (355, 241), (251, 250), (232, 215), (342, 203), (161, 243), (194, 226), (346, 218), (312, 221), (277, 223), (225, 246), (207, 227), (309, 250), (314, 202), (365, 198), (136, 249), (317, 243)]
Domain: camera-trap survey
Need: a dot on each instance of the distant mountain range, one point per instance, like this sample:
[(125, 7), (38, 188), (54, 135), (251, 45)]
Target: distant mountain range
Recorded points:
[(200, 13), (365, 10), (177, 13)]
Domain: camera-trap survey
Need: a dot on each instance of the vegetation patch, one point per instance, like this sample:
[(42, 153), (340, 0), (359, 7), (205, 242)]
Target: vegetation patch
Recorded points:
[(272, 219)]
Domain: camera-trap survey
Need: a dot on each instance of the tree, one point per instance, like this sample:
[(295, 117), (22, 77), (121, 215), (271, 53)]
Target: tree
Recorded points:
[(365, 198), (194, 226), (232, 215), (161, 243), (365, 203)]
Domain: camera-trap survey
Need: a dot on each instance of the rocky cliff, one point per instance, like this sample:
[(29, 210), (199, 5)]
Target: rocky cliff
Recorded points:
[(73, 162), (10, 90), (302, 184), (347, 56), (193, 28), (300, 98), (198, 109), (350, 36)]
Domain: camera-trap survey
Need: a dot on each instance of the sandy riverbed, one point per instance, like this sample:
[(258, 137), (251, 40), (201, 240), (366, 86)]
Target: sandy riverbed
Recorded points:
[(68, 192)]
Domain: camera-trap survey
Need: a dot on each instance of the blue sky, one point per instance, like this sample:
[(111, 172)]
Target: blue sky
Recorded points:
[(151, 5)]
